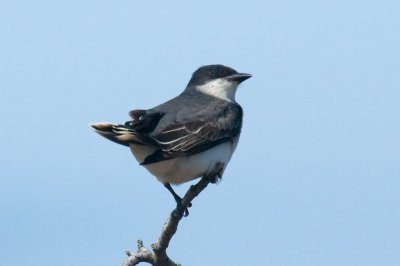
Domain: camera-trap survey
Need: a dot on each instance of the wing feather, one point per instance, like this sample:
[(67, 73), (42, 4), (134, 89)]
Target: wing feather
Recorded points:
[(191, 137)]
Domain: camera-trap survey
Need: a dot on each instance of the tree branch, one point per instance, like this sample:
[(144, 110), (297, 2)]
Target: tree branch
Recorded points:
[(158, 256)]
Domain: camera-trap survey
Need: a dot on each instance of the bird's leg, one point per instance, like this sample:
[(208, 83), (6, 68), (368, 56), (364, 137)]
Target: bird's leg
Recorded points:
[(170, 189), (212, 177), (178, 200)]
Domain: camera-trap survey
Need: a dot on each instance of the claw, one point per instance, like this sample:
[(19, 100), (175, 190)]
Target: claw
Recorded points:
[(179, 207), (178, 201)]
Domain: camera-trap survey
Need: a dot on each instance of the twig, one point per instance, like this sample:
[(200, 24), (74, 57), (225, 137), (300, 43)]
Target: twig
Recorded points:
[(158, 256)]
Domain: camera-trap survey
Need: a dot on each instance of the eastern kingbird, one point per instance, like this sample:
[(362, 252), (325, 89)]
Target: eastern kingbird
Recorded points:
[(190, 136)]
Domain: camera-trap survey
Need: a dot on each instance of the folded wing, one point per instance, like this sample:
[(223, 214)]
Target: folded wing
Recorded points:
[(190, 137)]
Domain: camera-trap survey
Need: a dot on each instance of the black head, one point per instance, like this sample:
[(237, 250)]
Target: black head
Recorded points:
[(211, 72)]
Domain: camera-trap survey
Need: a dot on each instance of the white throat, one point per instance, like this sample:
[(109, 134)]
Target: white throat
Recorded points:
[(220, 88)]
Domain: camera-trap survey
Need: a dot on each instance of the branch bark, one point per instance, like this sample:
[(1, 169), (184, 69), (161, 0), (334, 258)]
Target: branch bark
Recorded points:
[(158, 255)]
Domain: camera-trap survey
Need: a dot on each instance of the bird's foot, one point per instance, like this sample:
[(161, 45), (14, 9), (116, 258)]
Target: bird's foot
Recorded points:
[(181, 209)]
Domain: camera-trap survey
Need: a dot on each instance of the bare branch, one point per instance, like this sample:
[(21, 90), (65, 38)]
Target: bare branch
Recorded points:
[(141, 255), (158, 256)]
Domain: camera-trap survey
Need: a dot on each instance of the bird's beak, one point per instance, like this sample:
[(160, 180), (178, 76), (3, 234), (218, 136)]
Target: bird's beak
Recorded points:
[(239, 77)]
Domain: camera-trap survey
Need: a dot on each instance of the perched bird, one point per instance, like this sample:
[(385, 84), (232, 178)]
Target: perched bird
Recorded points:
[(190, 136)]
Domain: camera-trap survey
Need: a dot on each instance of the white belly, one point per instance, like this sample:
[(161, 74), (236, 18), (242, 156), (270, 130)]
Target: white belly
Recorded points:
[(184, 169)]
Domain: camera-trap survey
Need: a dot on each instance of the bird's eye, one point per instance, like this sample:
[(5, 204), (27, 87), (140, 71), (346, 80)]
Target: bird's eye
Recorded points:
[(212, 71)]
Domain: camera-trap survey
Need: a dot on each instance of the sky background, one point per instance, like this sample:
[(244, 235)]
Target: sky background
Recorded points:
[(315, 179)]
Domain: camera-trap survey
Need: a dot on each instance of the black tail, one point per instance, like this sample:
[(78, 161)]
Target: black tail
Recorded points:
[(117, 133)]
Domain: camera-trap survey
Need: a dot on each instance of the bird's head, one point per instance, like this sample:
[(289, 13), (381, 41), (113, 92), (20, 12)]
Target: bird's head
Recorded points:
[(217, 80)]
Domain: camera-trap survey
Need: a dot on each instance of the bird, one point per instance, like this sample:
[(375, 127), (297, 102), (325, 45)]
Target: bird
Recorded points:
[(190, 136)]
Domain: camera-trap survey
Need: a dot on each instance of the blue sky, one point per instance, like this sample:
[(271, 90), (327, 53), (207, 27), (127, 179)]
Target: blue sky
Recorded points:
[(314, 180)]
